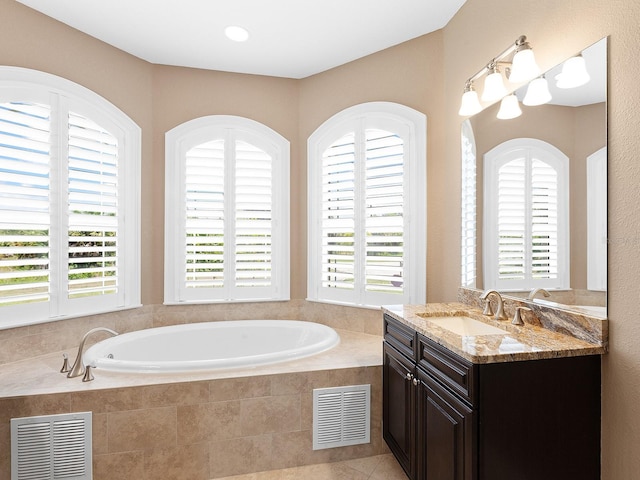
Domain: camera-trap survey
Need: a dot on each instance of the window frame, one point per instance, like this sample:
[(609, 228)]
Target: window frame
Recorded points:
[(22, 84), (412, 126), (178, 141), (493, 160)]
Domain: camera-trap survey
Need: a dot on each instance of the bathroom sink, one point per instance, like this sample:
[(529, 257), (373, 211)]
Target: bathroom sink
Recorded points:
[(465, 326)]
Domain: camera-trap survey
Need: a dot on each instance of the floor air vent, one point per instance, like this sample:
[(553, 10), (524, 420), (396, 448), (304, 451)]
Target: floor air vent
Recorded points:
[(52, 447), (341, 416)]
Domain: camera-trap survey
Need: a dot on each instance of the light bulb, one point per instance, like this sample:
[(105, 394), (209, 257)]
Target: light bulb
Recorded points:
[(509, 108), (524, 66), (537, 92), (574, 73), (470, 104), (494, 88)]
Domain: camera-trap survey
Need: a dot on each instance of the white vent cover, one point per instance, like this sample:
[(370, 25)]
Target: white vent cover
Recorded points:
[(51, 447), (341, 416)]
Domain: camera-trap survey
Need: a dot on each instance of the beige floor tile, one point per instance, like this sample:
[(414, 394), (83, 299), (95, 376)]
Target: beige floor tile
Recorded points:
[(388, 469)]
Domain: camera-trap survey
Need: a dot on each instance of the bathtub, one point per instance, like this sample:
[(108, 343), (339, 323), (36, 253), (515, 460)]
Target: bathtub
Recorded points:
[(211, 345)]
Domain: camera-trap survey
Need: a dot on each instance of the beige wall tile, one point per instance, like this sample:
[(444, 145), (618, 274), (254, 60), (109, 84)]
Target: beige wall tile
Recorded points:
[(237, 388), (177, 463), (16, 407), (240, 455), (5, 450), (142, 429), (120, 466), (208, 422), (290, 383), (270, 414), (99, 434)]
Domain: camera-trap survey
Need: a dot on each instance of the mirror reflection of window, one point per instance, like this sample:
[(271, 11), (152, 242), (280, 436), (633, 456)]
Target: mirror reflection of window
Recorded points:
[(597, 220), (526, 216), (468, 240)]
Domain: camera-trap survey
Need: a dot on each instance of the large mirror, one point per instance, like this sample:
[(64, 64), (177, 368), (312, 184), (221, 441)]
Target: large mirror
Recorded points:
[(534, 216)]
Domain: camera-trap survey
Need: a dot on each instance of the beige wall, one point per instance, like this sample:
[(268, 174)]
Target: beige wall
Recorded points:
[(483, 28), (427, 74)]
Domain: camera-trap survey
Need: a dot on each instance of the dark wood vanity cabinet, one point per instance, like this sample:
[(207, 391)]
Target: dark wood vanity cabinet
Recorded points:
[(445, 418)]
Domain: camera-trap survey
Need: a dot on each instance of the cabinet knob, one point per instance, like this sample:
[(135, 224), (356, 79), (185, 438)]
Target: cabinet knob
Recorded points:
[(415, 381), (409, 376)]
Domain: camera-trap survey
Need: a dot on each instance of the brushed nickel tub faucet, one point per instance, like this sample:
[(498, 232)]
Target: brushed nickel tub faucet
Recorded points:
[(78, 368)]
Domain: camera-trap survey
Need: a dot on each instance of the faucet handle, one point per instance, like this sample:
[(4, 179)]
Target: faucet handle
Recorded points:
[(517, 317), (88, 376), (65, 364), (488, 311)]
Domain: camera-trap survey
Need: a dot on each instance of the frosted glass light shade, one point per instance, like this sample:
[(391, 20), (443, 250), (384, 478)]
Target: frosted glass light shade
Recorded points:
[(524, 66), (574, 73), (470, 104), (537, 93), (494, 88), (509, 108)]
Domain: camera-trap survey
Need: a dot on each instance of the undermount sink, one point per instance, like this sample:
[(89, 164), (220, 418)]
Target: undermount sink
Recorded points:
[(465, 326)]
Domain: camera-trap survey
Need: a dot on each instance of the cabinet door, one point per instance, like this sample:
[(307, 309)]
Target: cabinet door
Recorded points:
[(398, 418), (445, 444)]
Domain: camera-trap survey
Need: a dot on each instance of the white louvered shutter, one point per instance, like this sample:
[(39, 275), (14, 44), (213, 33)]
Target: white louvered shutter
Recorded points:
[(92, 209), (527, 215), (24, 202), (338, 214), (384, 212), (468, 207), (227, 194)]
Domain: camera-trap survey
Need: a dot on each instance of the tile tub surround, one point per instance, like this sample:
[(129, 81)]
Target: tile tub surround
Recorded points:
[(171, 427), (527, 342)]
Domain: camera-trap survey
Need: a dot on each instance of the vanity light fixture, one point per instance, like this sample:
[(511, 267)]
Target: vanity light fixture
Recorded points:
[(509, 108), (470, 102), (537, 92), (520, 67), (574, 73)]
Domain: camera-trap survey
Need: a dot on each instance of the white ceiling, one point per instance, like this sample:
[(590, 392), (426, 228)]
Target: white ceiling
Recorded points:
[(289, 38)]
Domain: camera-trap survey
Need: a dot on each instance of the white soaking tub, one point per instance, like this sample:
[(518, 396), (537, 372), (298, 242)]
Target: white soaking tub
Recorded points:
[(211, 345)]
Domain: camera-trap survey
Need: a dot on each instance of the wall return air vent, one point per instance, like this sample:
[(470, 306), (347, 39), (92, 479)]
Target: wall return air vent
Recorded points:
[(341, 416), (52, 447)]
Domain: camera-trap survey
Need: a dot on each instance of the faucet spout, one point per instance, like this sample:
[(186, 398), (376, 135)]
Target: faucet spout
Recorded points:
[(77, 368), (535, 291), (500, 313)]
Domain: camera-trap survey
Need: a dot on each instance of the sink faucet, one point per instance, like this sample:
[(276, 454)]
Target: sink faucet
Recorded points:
[(535, 291), (77, 368), (500, 315)]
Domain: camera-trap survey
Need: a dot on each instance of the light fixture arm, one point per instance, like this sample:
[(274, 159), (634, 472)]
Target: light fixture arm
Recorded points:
[(498, 59)]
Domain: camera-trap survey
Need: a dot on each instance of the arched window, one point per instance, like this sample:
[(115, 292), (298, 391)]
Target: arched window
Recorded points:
[(468, 206), (226, 212), (69, 201), (367, 204), (526, 226)]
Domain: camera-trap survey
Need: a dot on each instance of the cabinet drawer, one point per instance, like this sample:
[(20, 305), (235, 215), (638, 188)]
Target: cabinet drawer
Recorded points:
[(400, 336), (452, 370)]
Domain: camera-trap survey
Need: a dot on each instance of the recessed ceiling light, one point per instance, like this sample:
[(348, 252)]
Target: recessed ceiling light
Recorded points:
[(236, 33)]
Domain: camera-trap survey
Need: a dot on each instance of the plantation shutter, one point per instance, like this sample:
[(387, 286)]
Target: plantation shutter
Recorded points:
[(24, 202), (338, 214), (363, 246), (528, 243), (229, 225), (205, 215), (253, 222), (468, 204), (92, 209), (384, 210)]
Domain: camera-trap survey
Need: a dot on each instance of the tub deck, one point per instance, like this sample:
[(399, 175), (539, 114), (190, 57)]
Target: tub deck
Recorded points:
[(38, 376)]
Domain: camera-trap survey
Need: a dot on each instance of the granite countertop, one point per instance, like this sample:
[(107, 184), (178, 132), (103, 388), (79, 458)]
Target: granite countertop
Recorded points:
[(527, 342)]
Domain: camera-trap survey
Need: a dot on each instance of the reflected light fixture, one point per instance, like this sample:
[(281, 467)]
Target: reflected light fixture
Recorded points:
[(470, 103), (574, 73), (236, 33), (494, 88), (509, 108), (537, 92), (520, 67)]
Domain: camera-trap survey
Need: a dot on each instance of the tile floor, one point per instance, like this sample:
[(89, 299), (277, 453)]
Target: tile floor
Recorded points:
[(380, 467)]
